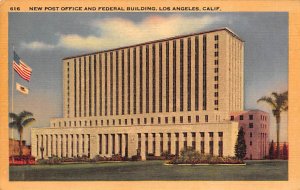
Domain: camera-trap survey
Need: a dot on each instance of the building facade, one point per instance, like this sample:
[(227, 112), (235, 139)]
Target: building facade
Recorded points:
[(156, 96), (256, 125)]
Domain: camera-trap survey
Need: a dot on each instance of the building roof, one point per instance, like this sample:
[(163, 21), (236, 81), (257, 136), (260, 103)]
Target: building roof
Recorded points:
[(160, 40)]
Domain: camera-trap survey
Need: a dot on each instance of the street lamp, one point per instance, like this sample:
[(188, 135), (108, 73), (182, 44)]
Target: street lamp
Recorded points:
[(42, 151)]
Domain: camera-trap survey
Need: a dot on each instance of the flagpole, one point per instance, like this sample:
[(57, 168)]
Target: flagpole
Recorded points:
[(12, 92)]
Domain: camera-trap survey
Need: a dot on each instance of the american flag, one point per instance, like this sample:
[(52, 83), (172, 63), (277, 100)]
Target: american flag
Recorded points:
[(21, 68)]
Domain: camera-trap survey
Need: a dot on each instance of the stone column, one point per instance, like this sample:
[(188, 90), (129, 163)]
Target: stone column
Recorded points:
[(123, 144), (132, 144), (109, 145), (180, 138), (54, 145), (165, 142), (143, 152), (117, 141), (64, 145), (157, 144), (104, 144), (150, 143), (206, 142), (39, 146), (59, 145), (75, 145), (80, 153), (173, 141), (94, 144), (216, 144), (86, 144)]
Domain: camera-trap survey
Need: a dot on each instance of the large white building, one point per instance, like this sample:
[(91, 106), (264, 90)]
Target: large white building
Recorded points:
[(156, 96)]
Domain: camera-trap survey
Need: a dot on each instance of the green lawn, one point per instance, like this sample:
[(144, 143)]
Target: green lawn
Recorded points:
[(150, 170)]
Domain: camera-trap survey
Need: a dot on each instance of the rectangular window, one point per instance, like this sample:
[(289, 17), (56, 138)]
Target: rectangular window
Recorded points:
[(211, 147), (189, 67), (216, 46), (181, 119), (100, 143), (216, 62), (189, 119), (160, 77), (216, 94), (197, 73), (117, 82), (125, 121), (139, 121), (134, 81), (153, 78), (206, 118), (79, 87), (220, 148), (216, 86), (152, 120), (181, 75), (250, 134), (111, 84), (158, 119), (145, 120), (84, 99), (250, 117), (174, 75), (216, 78), (216, 102), (241, 117), (75, 88), (123, 83), (106, 143), (216, 37), (90, 86), (105, 84), (167, 77), (197, 118), (100, 83), (173, 119), (147, 78), (128, 81), (131, 121), (141, 79), (166, 120), (204, 73), (231, 118), (250, 125)]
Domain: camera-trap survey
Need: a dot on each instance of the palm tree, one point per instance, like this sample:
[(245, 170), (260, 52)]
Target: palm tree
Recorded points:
[(19, 122), (278, 103)]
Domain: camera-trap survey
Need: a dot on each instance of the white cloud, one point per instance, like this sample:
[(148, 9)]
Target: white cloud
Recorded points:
[(37, 45), (116, 32)]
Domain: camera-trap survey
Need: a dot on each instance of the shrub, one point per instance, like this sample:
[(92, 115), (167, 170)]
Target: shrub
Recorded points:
[(190, 156), (136, 158)]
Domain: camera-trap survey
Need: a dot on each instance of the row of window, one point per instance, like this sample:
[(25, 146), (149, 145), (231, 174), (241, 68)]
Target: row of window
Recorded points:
[(111, 65), (250, 117), (138, 121), (216, 77)]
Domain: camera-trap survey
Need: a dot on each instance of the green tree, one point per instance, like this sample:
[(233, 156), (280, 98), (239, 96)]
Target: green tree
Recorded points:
[(240, 145), (271, 150), (278, 103), (19, 122)]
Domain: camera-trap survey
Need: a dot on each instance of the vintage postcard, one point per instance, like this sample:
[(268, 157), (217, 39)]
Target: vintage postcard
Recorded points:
[(160, 95)]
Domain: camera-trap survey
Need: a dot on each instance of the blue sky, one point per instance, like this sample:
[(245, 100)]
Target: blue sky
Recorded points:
[(43, 39)]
